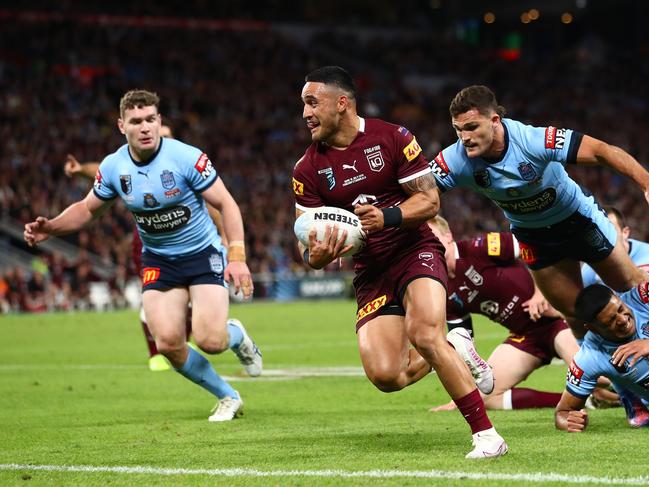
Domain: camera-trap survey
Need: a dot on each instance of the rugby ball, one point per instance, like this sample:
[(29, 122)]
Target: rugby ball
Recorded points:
[(320, 218)]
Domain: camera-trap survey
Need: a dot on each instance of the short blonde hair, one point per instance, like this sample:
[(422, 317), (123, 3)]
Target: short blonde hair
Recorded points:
[(440, 224)]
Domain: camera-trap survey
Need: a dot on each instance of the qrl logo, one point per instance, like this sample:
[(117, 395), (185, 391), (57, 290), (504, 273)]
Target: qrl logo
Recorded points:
[(150, 275)]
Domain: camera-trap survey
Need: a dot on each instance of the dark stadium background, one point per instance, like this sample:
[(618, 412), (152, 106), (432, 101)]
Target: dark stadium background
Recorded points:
[(230, 74)]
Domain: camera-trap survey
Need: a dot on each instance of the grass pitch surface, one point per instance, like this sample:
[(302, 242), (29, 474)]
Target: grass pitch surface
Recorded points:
[(78, 406)]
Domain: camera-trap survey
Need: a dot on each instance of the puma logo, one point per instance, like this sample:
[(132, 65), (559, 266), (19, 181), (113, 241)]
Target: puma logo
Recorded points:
[(350, 166)]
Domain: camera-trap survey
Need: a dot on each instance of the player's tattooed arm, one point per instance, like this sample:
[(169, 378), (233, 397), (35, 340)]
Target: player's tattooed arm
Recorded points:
[(423, 202), (420, 184)]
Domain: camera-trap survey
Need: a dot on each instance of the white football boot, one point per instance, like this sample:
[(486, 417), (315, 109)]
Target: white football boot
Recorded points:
[(487, 444), (480, 369), (247, 352), (227, 409)]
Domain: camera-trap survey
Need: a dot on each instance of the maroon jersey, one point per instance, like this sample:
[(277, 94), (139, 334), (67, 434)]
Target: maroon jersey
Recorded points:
[(136, 250), (369, 171), (490, 281)]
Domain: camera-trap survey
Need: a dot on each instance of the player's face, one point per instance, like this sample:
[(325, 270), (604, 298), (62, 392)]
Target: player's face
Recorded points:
[(615, 321), (141, 126), (476, 132), (321, 110)]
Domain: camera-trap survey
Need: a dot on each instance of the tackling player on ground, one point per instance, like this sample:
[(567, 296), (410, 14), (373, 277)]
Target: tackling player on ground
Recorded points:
[(163, 182), (376, 169), (617, 346), (487, 278)]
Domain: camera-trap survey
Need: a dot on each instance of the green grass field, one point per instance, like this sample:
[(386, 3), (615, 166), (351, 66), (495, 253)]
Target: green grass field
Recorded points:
[(75, 393)]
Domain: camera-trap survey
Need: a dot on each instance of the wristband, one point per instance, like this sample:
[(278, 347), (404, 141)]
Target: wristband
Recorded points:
[(392, 217), (305, 257), (237, 251)]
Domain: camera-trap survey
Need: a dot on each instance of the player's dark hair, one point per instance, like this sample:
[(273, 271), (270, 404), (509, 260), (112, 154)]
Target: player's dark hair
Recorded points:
[(476, 96), (333, 75), (139, 99), (590, 301), (618, 215)]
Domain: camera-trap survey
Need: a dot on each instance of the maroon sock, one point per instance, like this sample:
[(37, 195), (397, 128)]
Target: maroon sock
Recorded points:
[(472, 408), (150, 341), (523, 398)]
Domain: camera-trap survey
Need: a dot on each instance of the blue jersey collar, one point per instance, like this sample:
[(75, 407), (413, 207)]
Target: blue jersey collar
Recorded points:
[(147, 161)]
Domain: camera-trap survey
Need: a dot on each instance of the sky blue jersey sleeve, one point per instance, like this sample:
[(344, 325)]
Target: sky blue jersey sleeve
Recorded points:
[(443, 166), (199, 171), (103, 186), (582, 374), (552, 144)]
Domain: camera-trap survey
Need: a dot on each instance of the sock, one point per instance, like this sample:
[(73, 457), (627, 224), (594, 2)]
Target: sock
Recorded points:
[(200, 371), (472, 408), (465, 323), (150, 341), (236, 336), (523, 398)]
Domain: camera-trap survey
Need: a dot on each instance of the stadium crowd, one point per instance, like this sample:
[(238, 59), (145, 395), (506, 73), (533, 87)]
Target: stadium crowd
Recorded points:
[(233, 93)]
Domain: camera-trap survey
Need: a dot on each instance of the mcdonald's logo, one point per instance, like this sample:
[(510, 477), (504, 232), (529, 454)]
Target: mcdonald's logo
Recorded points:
[(527, 253), (298, 187), (150, 274)]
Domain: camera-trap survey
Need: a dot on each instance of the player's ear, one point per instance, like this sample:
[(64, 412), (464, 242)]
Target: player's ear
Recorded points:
[(120, 125)]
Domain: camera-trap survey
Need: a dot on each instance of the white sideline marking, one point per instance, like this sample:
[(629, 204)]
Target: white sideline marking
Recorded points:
[(250, 472)]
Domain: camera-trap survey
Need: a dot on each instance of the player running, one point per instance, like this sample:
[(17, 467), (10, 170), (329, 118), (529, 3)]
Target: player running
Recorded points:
[(377, 170), (163, 183)]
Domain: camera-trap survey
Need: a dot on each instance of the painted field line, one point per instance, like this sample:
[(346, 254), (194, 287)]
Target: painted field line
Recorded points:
[(382, 474)]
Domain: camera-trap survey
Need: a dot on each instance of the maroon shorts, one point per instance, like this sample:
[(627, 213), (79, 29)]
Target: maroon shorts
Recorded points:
[(380, 288), (539, 341)]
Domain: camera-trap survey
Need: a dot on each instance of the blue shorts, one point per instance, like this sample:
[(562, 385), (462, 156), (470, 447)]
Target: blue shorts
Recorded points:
[(578, 237), (162, 273)]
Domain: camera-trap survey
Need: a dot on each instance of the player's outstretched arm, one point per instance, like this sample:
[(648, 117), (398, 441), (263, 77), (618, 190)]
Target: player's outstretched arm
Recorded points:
[(73, 218), (421, 205), (237, 270), (570, 414), (594, 151), (73, 167)]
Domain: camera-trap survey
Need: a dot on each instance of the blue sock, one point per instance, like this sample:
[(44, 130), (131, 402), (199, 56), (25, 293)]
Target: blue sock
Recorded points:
[(199, 370), (236, 335)]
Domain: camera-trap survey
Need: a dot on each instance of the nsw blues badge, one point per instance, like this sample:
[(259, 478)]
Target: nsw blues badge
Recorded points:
[(527, 171), (167, 178)]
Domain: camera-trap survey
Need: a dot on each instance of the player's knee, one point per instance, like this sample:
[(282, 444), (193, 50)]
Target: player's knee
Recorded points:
[(386, 378), (169, 345), (215, 343), (425, 334)]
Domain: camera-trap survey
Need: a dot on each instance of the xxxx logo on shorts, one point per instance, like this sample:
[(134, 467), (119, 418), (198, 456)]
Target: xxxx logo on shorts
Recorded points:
[(150, 275), (371, 307)]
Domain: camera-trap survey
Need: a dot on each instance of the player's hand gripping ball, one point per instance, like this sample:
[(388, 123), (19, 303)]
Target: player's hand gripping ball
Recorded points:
[(320, 218)]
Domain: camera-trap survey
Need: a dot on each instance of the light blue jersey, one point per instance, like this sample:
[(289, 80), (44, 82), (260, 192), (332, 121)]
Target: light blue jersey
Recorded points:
[(639, 253), (594, 357), (529, 181), (164, 196)]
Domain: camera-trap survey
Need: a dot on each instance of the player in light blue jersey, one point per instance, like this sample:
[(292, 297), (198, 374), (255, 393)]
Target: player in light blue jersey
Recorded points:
[(521, 169), (637, 250), (617, 347), (163, 183)]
